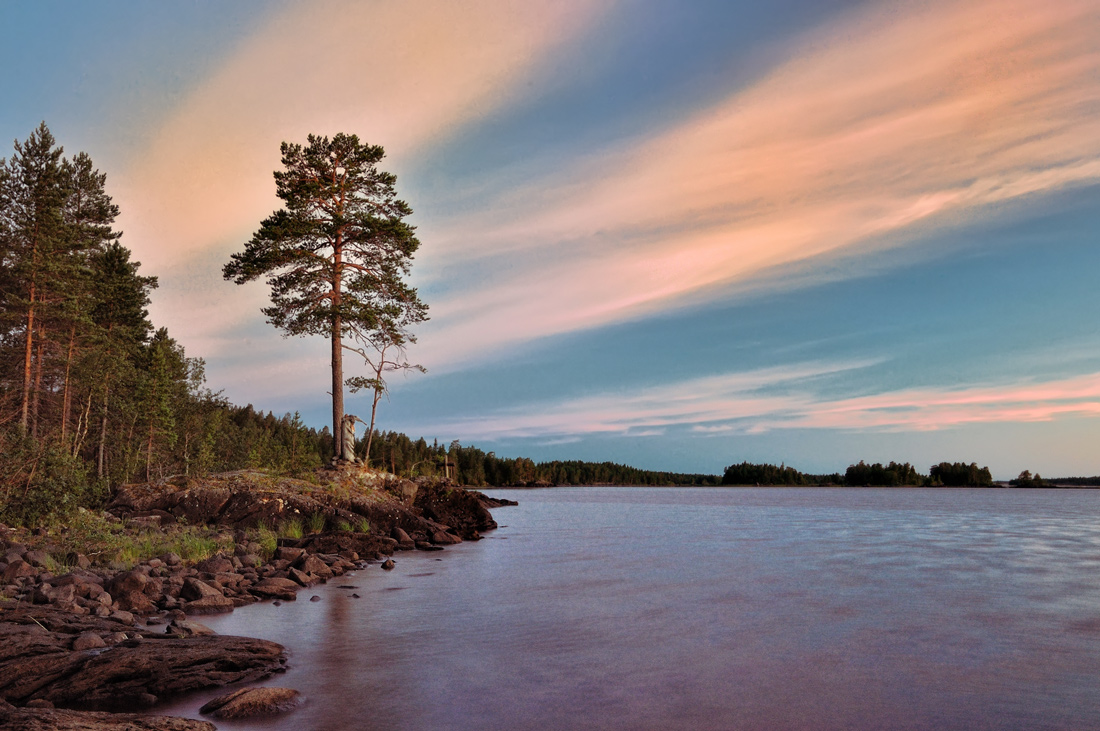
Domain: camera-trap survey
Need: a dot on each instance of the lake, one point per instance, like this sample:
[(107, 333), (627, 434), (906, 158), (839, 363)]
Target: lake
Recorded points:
[(713, 608)]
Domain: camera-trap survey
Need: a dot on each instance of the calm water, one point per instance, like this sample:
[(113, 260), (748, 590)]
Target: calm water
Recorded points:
[(714, 609)]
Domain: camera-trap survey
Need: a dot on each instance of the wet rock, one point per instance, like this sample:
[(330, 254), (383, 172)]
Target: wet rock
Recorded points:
[(275, 588), (193, 589), (188, 628), (404, 542), (214, 604), (388, 565), (300, 577), (248, 702), (315, 598), (311, 564), (442, 538)]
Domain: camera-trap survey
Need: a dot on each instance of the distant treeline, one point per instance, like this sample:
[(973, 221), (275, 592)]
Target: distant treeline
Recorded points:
[(944, 474), (401, 455)]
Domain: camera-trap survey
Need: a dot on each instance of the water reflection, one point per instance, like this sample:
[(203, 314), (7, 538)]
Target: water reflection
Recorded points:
[(767, 608)]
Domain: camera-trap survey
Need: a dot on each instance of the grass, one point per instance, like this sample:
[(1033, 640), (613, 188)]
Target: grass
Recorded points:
[(362, 525), (106, 541), (268, 541), (316, 522), (291, 529)]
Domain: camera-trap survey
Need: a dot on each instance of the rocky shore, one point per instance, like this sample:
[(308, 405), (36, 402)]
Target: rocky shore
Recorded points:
[(100, 636)]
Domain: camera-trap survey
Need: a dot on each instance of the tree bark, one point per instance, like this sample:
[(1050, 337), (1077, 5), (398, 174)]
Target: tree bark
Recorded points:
[(337, 352), (66, 398), (28, 351)]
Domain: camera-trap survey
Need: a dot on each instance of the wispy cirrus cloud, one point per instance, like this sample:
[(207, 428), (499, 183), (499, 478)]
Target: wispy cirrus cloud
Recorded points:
[(881, 121), (782, 398), (400, 74)]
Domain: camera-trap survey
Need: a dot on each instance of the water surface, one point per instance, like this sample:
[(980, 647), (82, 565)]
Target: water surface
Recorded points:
[(765, 608)]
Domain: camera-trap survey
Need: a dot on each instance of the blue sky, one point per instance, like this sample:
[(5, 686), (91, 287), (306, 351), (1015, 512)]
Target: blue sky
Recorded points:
[(676, 235)]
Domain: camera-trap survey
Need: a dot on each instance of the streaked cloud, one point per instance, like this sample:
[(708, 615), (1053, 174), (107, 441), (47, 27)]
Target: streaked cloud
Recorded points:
[(400, 74), (782, 398), (928, 113)]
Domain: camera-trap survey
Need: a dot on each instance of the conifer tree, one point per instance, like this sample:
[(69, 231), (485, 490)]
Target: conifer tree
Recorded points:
[(336, 255)]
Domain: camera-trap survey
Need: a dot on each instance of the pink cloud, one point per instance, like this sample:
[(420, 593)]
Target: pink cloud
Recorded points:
[(743, 403), (880, 122)]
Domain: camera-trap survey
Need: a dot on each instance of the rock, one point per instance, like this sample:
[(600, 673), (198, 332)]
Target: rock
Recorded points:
[(388, 564), (37, 662), (194, 589), (214, 604), (300, 577), (288, 553), (442, 538), (275, 588), (17, 569), (36, 558), (310, 564), (315, 598), (134, 602), (404, 542), (248, 702), (121, 616), (127, 581), (46, 719), (171, 559), (215, 565), (88, 641), (39, 703), (189, 628)]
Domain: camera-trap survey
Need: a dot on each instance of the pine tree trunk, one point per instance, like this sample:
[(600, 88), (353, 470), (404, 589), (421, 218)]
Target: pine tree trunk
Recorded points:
[(102, 459), (337, 353), (66, 399), (36, 392), (28, 351)]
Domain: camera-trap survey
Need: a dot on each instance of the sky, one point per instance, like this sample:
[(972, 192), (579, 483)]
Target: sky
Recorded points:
[(676, 235)]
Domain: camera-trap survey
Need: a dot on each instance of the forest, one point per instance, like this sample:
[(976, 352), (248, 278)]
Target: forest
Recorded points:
[(93, 395)]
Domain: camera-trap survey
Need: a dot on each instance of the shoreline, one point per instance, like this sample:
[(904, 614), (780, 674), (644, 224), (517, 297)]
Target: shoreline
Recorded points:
[(66, 635)]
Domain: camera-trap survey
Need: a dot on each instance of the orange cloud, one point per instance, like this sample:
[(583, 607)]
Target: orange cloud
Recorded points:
[(879, 122)]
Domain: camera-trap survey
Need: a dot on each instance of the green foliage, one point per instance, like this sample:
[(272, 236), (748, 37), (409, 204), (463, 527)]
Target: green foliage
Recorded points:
[(40, 482), (362, 525), (336, 255)]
